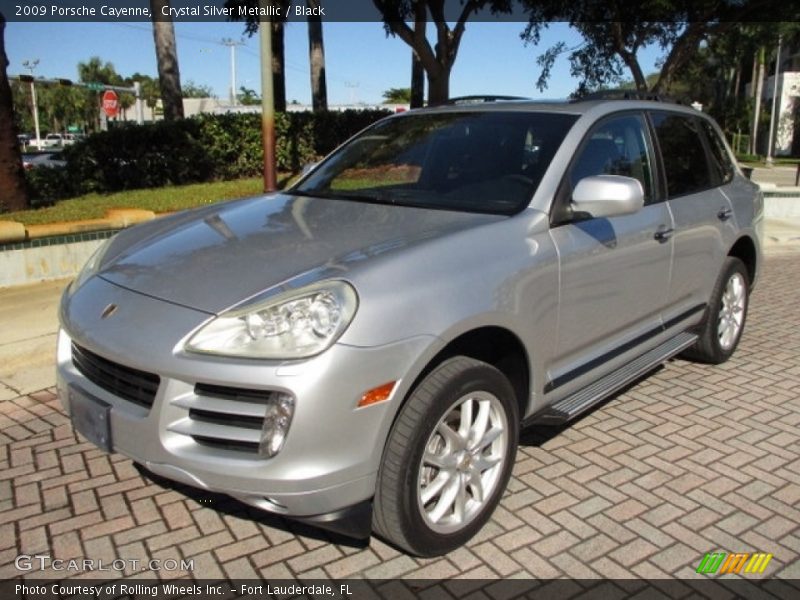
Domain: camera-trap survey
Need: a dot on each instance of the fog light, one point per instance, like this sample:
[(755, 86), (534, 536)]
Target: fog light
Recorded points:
[(276, 425)]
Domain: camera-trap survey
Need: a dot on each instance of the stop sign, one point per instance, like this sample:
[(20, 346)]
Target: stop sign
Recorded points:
[(110, 103)]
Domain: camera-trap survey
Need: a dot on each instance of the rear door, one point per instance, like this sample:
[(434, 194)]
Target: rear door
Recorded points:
[(700, 210)]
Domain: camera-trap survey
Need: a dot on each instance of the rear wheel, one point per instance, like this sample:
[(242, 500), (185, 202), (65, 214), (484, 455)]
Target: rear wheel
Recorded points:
[(448, 458), (725, 317)]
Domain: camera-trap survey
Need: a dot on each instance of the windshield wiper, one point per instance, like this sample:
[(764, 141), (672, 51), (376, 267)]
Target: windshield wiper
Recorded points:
[(374, 196)]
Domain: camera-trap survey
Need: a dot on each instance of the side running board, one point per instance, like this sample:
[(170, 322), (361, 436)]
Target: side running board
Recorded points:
[(572, 406)]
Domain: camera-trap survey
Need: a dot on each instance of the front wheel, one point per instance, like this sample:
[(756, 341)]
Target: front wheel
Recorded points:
[(722, 326), (448, 458)]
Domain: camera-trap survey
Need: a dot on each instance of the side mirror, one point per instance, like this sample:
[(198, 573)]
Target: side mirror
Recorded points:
[(607, 196)]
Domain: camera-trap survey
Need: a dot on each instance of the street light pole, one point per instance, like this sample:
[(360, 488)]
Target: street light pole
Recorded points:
[(31, 65), (774, 100)]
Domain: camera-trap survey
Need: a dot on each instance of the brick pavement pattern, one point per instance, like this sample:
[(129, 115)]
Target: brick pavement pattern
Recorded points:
[(689, 460)]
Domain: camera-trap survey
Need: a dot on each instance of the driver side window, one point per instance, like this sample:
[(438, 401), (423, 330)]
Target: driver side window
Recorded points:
[(618, 146)]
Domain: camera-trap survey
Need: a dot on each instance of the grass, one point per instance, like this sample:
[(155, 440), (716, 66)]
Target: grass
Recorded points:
[(748, 160), (159, 200)]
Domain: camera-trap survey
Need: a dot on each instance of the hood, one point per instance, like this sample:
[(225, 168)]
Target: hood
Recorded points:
[(227, 254)]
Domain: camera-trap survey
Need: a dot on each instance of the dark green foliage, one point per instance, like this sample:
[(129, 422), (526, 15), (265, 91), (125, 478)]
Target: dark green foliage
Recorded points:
[(202, 148), (47, 185), (131, 157)]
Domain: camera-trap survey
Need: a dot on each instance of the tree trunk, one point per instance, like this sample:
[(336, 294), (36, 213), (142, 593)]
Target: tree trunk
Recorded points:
[(13, 194), (758, 84), (316, 58), (417, 82), (438, 86), (278, 69), (737, 82), (417, 69), (169, 77)]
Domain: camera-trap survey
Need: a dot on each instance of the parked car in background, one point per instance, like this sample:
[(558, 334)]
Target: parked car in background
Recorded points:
[(52, 140), (33, 160), (72, 138), (361, 350)]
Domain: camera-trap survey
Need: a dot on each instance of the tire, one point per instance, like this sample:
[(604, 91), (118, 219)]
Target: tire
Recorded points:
[(437, 486), (722, 326)]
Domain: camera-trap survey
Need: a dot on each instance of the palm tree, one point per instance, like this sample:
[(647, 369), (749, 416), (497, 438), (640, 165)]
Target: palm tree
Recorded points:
[(13, 195), (316, 58), (169, 76)]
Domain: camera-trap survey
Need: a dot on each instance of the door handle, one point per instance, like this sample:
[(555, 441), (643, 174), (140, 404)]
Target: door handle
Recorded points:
[(663, 234), (724, 214)]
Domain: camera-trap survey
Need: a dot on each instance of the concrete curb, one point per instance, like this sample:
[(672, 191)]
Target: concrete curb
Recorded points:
[(11, 231), (116, 218)]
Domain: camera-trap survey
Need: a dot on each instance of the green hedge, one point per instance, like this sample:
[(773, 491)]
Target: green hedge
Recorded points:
[(201, 148)]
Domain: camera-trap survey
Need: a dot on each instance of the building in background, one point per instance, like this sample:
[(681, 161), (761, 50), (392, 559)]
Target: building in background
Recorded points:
[(787, 109)]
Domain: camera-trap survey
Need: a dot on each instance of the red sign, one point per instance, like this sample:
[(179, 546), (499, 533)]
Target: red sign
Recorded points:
[(110, 103)]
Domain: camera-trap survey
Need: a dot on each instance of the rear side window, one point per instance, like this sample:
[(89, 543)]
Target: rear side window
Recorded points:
[(685, 161), (721, 166)]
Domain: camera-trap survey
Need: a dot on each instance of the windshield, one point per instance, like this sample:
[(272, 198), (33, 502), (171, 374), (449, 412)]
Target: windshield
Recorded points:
[(490, 162)]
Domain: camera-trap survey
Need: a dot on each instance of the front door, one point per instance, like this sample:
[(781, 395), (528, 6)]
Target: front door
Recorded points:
[(614, 272)]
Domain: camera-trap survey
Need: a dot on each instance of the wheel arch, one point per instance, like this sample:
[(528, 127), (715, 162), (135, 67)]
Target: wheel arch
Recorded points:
[(492, 344), (745, 250)]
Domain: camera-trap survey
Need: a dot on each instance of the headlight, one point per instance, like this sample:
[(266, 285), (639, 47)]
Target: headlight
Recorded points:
[(297, 324), (91, 267)]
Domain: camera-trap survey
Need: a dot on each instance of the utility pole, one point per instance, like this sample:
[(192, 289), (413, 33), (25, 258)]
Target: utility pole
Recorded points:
[(774, 101), (232, 45), (31, 65), (353, 87), (137, 92)]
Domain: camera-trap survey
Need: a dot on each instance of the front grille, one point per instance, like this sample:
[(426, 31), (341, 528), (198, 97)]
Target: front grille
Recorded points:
[(224, 417), (233, 393), (136, 386), (235, 445), (209, 416)]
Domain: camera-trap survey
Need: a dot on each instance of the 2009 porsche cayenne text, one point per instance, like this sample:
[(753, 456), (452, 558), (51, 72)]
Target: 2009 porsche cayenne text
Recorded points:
[(361, 350)]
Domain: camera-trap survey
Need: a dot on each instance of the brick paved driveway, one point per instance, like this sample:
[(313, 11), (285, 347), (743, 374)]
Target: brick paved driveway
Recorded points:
[(692, 459)]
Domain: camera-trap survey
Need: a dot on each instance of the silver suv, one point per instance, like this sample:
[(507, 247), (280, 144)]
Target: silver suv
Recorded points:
[(361, 350)]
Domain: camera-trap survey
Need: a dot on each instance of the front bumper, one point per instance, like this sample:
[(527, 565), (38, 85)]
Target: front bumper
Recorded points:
[(333, 449)]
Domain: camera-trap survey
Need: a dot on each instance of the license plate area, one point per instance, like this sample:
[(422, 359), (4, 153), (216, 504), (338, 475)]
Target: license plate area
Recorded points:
[(91, 418)]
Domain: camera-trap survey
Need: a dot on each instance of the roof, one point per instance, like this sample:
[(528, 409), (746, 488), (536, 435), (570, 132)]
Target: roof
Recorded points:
[(574, 107)]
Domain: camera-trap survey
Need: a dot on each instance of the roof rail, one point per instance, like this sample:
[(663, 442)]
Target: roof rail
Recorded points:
[(481, 99), (627, 95)]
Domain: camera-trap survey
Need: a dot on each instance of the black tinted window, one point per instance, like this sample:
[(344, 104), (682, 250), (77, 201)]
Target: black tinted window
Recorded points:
[(721, 165), (684, 156), (617, 146)]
